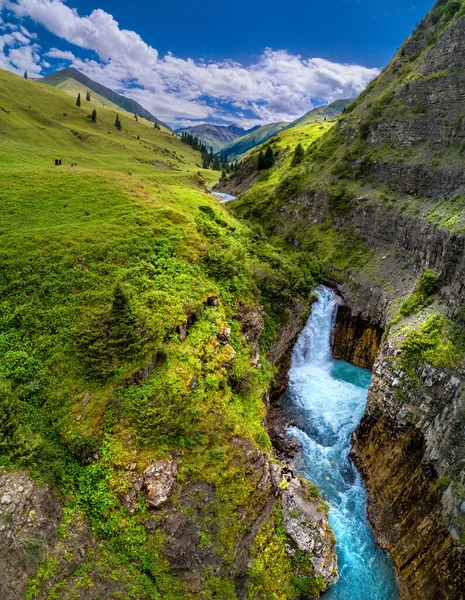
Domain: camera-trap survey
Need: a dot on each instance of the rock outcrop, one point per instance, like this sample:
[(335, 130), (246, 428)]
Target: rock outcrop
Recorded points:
[(32, 531), (355, 339), (409, 442)]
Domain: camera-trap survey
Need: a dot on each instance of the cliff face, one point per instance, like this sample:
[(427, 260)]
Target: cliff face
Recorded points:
[(354, 339), (409, 442), (381, 199)]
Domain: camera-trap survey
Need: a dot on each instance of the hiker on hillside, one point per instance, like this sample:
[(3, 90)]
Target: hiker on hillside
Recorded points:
[(286, 470), (287, 476)]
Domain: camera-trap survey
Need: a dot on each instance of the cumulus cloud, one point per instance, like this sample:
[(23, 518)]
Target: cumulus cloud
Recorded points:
[(60, 54), (18, 50), (277, 87)]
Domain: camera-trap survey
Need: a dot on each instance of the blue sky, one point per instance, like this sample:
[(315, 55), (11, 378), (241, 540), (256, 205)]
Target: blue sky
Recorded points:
[(188, 62)]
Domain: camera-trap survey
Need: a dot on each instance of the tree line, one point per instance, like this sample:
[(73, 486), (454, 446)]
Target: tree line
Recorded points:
[(209, 159)]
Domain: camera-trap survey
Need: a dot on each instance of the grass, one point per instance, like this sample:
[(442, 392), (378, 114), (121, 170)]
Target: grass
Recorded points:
[(100, 265)]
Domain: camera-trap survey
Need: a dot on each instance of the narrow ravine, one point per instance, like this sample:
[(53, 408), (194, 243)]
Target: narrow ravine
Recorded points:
[(326, 400)]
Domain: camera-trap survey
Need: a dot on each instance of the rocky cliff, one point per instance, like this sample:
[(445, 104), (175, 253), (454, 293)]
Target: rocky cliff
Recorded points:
[(380, 199)]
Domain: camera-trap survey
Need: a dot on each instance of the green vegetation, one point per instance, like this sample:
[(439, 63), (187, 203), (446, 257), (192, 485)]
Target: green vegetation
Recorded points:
[(298, 155), (102, 265), (239, 147), (271, 566), (209, 160), (437, 340), (427, 286)]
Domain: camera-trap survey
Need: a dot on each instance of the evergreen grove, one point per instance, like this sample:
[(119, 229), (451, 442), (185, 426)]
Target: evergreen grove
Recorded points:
[(210, 160)]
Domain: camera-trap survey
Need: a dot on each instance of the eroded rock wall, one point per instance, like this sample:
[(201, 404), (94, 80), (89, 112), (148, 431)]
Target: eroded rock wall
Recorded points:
[(409, 443)]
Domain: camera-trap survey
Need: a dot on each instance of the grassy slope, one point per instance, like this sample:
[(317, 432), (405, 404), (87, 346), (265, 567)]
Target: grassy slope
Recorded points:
[(123, 102), (73, 87), (133, 216), (316, 115), (281, 182)]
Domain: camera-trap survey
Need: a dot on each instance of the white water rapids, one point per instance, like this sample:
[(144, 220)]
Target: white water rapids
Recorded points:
[(326, 399)]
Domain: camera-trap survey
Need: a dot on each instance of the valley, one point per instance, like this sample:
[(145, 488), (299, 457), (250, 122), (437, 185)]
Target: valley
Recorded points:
[(171, 335)]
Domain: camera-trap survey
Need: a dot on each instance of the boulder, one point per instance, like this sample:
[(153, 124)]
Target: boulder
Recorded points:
[(158, 481)]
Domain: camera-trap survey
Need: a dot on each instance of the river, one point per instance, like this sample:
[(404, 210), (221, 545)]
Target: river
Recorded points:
[(326, 400), (223, 197)]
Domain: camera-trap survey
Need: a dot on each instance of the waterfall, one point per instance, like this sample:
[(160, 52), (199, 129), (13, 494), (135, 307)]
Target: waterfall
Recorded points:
[(326, 399)]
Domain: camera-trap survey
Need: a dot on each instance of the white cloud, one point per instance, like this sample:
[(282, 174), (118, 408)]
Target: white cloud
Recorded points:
[(277, 87), (55, 53), (18, 51)]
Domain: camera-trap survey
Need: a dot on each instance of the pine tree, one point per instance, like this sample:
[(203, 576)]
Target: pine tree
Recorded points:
[(268, 159), (25, 74), (94, 116), (78, 100), (118, 123), (298, 157), (260, 164), (136, 117), (124, 327), (88, 96)]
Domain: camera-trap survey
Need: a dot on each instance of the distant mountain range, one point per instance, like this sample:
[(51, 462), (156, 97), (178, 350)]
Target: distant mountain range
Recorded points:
[(254, 138), (73, 81), (217, 136), (260, 135)]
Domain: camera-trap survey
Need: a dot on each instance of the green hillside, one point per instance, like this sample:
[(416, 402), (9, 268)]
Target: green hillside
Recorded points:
[(318, 114), (61, 79), (73, 87), (259, 136), (103, 266)]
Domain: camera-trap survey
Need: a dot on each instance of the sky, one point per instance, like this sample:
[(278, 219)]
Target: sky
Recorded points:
[(190, 62)]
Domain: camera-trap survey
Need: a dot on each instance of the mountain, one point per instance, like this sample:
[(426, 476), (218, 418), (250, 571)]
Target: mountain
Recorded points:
[(379, 198), (260, 135), (253, 138), (215, 136), (329, 111), (72, 81), (134, 459)]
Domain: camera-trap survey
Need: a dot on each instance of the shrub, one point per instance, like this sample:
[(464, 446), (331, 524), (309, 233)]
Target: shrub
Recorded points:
[(339, 199), (427, 286), (17, 443)]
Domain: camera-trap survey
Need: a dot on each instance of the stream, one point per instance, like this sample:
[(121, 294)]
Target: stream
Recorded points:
[(326, 400), (223, 197)]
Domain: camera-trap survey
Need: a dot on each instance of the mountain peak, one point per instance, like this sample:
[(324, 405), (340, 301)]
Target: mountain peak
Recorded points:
[(59, 78)]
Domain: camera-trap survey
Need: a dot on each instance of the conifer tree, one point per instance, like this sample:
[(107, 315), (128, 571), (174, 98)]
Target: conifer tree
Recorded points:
[(268, 159), (136, 117), (118, 123), (25, 74), (260, 164), (88, 96), (124, 327), (299, 154), (78, 100), (94, 116)]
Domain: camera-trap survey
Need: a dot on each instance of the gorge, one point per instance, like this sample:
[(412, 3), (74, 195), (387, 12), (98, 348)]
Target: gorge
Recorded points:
[(164, 349), (325, 401)]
